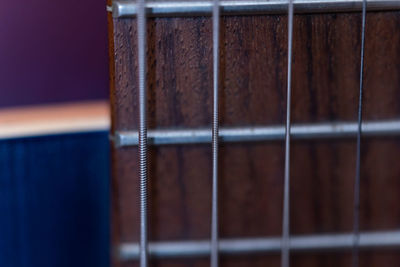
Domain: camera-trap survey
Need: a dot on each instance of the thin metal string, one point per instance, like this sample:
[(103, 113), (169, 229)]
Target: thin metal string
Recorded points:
[(356, 214), (215, 129), (285, 253), (141, 30)]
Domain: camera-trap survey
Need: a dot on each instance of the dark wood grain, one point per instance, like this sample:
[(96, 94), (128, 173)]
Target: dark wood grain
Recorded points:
[(253, 92)]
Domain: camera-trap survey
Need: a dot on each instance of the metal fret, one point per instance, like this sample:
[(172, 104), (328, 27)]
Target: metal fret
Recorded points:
[(123, 8), (305, 243), (260, 133)]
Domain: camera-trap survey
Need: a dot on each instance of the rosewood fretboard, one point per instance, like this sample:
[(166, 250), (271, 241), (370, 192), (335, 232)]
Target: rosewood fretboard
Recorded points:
[(253, 54)]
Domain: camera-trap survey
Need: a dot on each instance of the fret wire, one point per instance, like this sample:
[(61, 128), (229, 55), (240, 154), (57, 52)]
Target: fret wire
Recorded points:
[(124, 8), (356, 214), (215, 129), (336, 130), (141, 30), (285, 254), (317, 243)]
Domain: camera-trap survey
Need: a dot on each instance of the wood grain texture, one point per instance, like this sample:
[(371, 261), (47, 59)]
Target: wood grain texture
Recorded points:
[(253, 81)]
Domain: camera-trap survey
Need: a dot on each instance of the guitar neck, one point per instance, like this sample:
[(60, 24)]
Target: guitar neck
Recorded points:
[(252, 105)]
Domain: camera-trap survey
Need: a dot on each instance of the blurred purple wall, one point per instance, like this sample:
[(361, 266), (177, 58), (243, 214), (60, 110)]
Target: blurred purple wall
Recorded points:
[(52, 51)]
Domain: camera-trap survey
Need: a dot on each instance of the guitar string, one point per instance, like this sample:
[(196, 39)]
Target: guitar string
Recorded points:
[(215, 129), (285, 253), (143, 140), (356, 212), (141, 31)]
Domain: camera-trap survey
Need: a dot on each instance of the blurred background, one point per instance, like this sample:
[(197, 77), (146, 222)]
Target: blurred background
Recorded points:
[(54, 152), (53, 51)]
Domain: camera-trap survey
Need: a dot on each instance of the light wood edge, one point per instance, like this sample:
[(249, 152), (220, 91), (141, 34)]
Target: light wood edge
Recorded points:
[(54, 119)]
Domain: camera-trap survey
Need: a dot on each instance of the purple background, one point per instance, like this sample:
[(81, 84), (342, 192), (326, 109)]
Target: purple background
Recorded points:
[(52, 51)]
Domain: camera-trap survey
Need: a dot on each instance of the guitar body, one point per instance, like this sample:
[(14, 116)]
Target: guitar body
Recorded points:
[(253, 70)]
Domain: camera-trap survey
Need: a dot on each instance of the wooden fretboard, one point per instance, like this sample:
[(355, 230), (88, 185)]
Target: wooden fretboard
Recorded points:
[(178, 63)]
